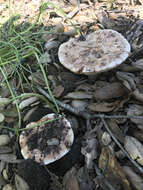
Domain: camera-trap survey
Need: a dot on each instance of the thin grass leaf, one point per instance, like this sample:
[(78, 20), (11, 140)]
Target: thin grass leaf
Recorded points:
[(13, 96)]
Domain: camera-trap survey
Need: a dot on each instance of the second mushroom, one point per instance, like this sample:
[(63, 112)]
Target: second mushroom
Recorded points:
[(100, 51)]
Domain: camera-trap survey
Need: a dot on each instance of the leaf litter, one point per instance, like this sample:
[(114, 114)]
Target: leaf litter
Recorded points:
[(105, 110)]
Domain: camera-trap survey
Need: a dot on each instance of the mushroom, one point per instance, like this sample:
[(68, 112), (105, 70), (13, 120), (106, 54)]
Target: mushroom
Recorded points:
[(46, 142), (100, 51)]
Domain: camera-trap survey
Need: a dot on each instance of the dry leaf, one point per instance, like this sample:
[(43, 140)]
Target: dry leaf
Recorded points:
[(138, 64), (114, 173), (138, 95), (84, 179), (20, 183), (121, 103), (128, 80), (79, 95), (27, 102), (10, 158), (9, 119), (116, 130), (5, 149), (58, 91), (89, 150), (10, 112), (84, 87), (4, 139), (112, 90), (70, 180), (134, 148), (136, 110), (135, 179), (37, 78), (79, 104), (102, 107), (138, 134)]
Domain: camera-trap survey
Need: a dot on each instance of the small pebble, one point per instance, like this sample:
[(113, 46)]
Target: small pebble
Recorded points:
[(51, 44), (106, 139), (59, 28), (4, 140)]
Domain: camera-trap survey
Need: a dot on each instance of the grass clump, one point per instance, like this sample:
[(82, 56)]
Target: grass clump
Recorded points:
[(21, 45), (18, 42)]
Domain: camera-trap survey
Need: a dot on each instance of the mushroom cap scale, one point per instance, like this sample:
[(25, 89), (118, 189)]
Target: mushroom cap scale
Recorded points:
[(101, 51), (48, 142)]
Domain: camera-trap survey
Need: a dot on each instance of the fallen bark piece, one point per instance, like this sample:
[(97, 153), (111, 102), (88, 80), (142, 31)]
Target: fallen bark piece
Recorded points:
[(79, 95), (136, 110), (134, 148), (114, 172), (111, 90), (27, 102), (134, 179), (102, 107), (70, 181), (20, 183)]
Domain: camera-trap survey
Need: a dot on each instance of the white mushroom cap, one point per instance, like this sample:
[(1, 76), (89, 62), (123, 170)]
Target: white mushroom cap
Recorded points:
[(48, 142), (101, 51)]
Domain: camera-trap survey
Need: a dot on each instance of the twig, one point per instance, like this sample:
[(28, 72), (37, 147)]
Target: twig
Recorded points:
[(74, 12), (69, 108), (66, 106), (84, 114), (117, 116), (88, 117), (121, 147)]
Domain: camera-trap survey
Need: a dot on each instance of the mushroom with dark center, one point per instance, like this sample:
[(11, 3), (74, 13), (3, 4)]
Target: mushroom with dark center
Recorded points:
[(47, 142)]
